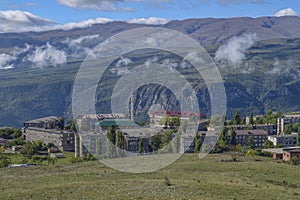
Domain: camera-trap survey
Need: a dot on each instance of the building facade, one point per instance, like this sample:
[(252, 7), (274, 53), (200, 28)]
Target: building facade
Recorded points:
[(284, 140), (245, 137), (64, 140), (285, 120), (288, 154)]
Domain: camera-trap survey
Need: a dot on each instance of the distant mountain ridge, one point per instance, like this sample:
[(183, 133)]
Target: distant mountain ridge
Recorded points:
[(207, 31), (268, 77)]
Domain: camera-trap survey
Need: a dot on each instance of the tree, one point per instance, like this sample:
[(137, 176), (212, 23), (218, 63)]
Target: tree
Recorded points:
[(176, 145), (140, 146), (251, 120), (61, 123), (237, 119), (28, 150), (98, 146), (71, 125), (251, 152), (269, 144), (197, 143), (110, 142), (119, 140), (250, 142), (157, 142), (4, 160), (233, 137)]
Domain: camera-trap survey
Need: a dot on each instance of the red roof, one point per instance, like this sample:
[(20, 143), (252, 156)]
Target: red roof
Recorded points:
[(177, 113)]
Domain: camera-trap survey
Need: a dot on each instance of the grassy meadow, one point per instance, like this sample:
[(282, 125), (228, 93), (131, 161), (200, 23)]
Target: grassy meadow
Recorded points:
[(187, 178)]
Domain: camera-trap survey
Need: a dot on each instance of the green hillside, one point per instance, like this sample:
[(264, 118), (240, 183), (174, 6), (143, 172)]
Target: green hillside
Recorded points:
[(187, 178), (254, 86)]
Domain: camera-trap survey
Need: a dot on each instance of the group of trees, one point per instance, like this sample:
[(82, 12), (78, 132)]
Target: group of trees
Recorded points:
[(170, 121), (70, 125), (4, 159), (10, 133), (268, 118)]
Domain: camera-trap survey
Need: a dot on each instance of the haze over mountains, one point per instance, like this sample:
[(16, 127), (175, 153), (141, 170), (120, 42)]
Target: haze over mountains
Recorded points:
[(258, 59)]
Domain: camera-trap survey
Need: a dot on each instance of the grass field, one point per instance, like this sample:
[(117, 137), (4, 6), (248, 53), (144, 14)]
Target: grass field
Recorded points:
[(189, 178)]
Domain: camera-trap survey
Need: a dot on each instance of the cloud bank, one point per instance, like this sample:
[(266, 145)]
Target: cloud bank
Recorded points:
[(47, 55), (149, 21), (18, 21), (233, 52), (286, 12), (5, 60)]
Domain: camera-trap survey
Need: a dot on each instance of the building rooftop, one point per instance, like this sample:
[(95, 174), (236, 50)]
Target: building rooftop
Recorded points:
[(280, 150), (292, 150), (250, 132), (177, 113), (117, 122), (104, 116), (285, 136), (44, 119), (49, 130)]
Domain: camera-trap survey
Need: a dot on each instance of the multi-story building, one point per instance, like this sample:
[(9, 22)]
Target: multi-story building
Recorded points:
[(169, 119), (285, 120), (244, 137), (64, 140), (42, 129), (88, 122), (284, 140)]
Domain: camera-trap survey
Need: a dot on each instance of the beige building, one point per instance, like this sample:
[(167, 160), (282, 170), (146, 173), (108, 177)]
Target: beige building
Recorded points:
[(288, 154), (42, 129), (64, 140)]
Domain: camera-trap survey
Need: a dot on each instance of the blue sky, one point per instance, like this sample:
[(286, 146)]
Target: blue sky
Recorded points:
[(37, 15), (61, 11)]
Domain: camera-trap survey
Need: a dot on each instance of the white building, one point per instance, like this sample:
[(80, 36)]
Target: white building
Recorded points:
[(285, 140), (285, 120)]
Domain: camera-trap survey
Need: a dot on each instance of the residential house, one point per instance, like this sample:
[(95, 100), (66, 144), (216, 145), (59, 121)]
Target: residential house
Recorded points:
[(284, 140)]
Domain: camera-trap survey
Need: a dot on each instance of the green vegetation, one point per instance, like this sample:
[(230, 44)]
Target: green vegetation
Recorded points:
[(10, 133), (24, 97), (214, 177)]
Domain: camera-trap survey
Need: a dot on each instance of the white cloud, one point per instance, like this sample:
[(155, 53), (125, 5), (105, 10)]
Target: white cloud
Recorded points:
[(108, 5), (119, 71), (17, 21), (149, 21), (79, 48), (123, 62), (232, 53), (82, 24), (104, 5), (47, 55), (286, 12), (226, 2), (5, 60)]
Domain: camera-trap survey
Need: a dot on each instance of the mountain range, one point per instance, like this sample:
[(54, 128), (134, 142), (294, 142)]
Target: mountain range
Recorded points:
[(259, 59)]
